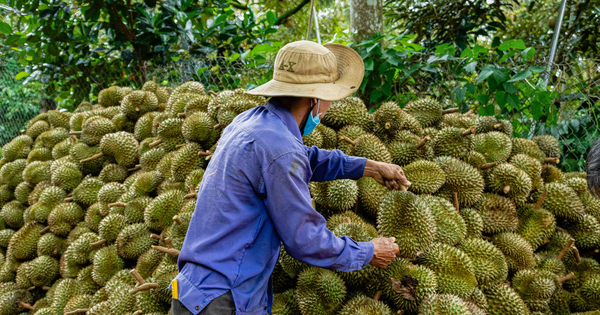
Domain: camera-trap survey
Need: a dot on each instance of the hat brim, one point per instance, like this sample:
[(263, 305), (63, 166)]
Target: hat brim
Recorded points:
[(351, 70)]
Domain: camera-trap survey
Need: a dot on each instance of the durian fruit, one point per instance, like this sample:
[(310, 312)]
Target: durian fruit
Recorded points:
[(196, 105), (148, 262), (443, 304), (502, 299), (66, 176), (549, 145), (199, 127), (146, 183), (64, 217), (65, 290), (450, 226), (185, 160), (134, 240), (369, 146), (488, 261), (453, 142), (458, 120), (169, 132), (313, 139), (194, 179), (535, 287), (351, 132), (138, 103), (23, 244), (94, 129), (319, 291), (406, 285), (329, 136), (585, 231), (370, 195), (285, 303), (59, 119), (531, 167), (453, 268), (473, 222), (551, 174), (427, 111), (51, 137), (426, 177), (17, 148), (517, 251), (88, 158), (144, 125), (14, 300), (12, 214), (498, 213), (461, 178), (78, 302), (407, 218), (42, 271), (528, 147), (511, 181), (107, 262), (158, 215), (48, 199), (341, 194), (562, 202), (495, 146), (122, 146), (86, 193), (11, 173), (110, 227), (62, 148), (536, 225), (111, 96), (349, 111), (37, 128), (406, 147), (356, 231), (40, 154), (6, 194), (361, 304)]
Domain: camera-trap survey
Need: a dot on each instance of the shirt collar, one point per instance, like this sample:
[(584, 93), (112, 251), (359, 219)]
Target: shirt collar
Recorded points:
[(274, 105)]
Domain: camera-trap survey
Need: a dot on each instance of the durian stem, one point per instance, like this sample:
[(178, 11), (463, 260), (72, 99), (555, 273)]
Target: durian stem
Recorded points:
[(73, 138), (137, 109), (552, 160), (546, 241), (70, 194), (378, 295), (68, 199), (423, 142), (154, 79), (25, 305), (177, 219), (190, 196), (540, 200), (469, 131), (469, 113), (156, 124), (169, 242), (117, 204), (179, 146), (135, 168), (155, 236), (202, 153), (347, 220), (506, 189), (143, 287), (567, 277), (55, 251), (455, 198), (181, 115), (577, 256), (137, 277), (170, 251), (192, 190), (558, 228), (44, 230), (387, 125), (450, 110), (565, 249), (497, 126), (31, 288), (488, 165), (350, 141), (74, 133), (77, 311), (138, 312), (213, 93), (93, 157), (22, 132), (46, 288), (100, 242), (487, 238), (155, 143), (217, 126)]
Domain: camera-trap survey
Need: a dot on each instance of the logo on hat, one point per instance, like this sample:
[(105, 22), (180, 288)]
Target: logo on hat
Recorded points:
[(289, 66)]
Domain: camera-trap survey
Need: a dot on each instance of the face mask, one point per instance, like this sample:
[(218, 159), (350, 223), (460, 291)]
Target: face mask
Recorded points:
[(312, 121)]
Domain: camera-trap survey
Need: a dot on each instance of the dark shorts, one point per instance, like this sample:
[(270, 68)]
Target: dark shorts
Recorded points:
[(222, 305)]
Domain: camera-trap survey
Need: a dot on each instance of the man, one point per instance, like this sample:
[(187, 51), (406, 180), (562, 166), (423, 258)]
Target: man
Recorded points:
[(592, 169), (254, 194)]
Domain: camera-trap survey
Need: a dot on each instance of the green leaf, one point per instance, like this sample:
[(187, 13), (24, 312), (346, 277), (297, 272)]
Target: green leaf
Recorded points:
[(12, 39), (506, 45), (484, 74), (369, 64), (271, 18), (486, 110), (536, 109), (5, 28), (509, 88), (501, 98), (375, 95), (470, 88), (471, 67), (483, 99), (537, 69), (518, 44), (21, 75), (77, 31), (459, 93), (501, 75), (520, 76)]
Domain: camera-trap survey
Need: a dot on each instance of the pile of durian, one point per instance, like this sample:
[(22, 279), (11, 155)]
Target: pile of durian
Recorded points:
[(95, 206)]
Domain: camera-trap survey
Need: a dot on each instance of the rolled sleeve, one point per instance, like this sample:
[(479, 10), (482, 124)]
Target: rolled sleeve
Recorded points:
[(302, 230), (331, 165)]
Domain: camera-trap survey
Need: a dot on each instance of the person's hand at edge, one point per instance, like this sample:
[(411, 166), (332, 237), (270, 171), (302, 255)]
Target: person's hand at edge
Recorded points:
[(390, 175), (385, 251)]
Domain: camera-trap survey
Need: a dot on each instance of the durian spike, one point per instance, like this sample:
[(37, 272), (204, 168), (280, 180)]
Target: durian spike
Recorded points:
[(506, 189), (350, 141), (565, 249), (567, 277), (202, 153), (387, 125), (44, 230), (213, 93), (97, 243), (137, 277), (74, 138), (455, 198), (378, 295), (469, 113), (143, 287), (217, 126), (179, 146), (552, 160), (488, 165), (577, 256), (170, 251), (497, 126), (68, 199), (77, 311), (450, 110), (177, 219), (470, 131), (73, 133), (138, 312), (25, 305), (181, 115), (93, 157), (423, 142), (540, 200), (155, 143), (135, 168), (155, 236), (117, 204), (487, 238)]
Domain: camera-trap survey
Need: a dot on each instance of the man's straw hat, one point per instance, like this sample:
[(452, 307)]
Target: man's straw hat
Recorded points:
[(328, 72)]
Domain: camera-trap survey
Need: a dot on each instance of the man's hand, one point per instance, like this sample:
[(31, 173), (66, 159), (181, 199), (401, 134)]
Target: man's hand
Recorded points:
[(389, 175), (385, 251)]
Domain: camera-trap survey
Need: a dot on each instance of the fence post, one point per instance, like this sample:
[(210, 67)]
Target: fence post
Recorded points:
[(555, 36)]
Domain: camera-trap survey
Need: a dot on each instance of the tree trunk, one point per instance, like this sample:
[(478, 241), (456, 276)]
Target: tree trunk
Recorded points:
[(366, 18)]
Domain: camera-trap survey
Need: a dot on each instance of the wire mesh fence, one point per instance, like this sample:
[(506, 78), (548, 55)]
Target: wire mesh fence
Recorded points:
[(576, 128)]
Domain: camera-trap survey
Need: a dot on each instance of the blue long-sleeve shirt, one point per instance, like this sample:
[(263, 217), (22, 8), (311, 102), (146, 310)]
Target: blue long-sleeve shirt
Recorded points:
[(254, 196)]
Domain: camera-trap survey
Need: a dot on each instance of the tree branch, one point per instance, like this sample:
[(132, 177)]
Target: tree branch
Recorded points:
[(288, 13)]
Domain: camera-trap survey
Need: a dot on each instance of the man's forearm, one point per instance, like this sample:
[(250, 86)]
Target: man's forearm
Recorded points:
[(370, 169)]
